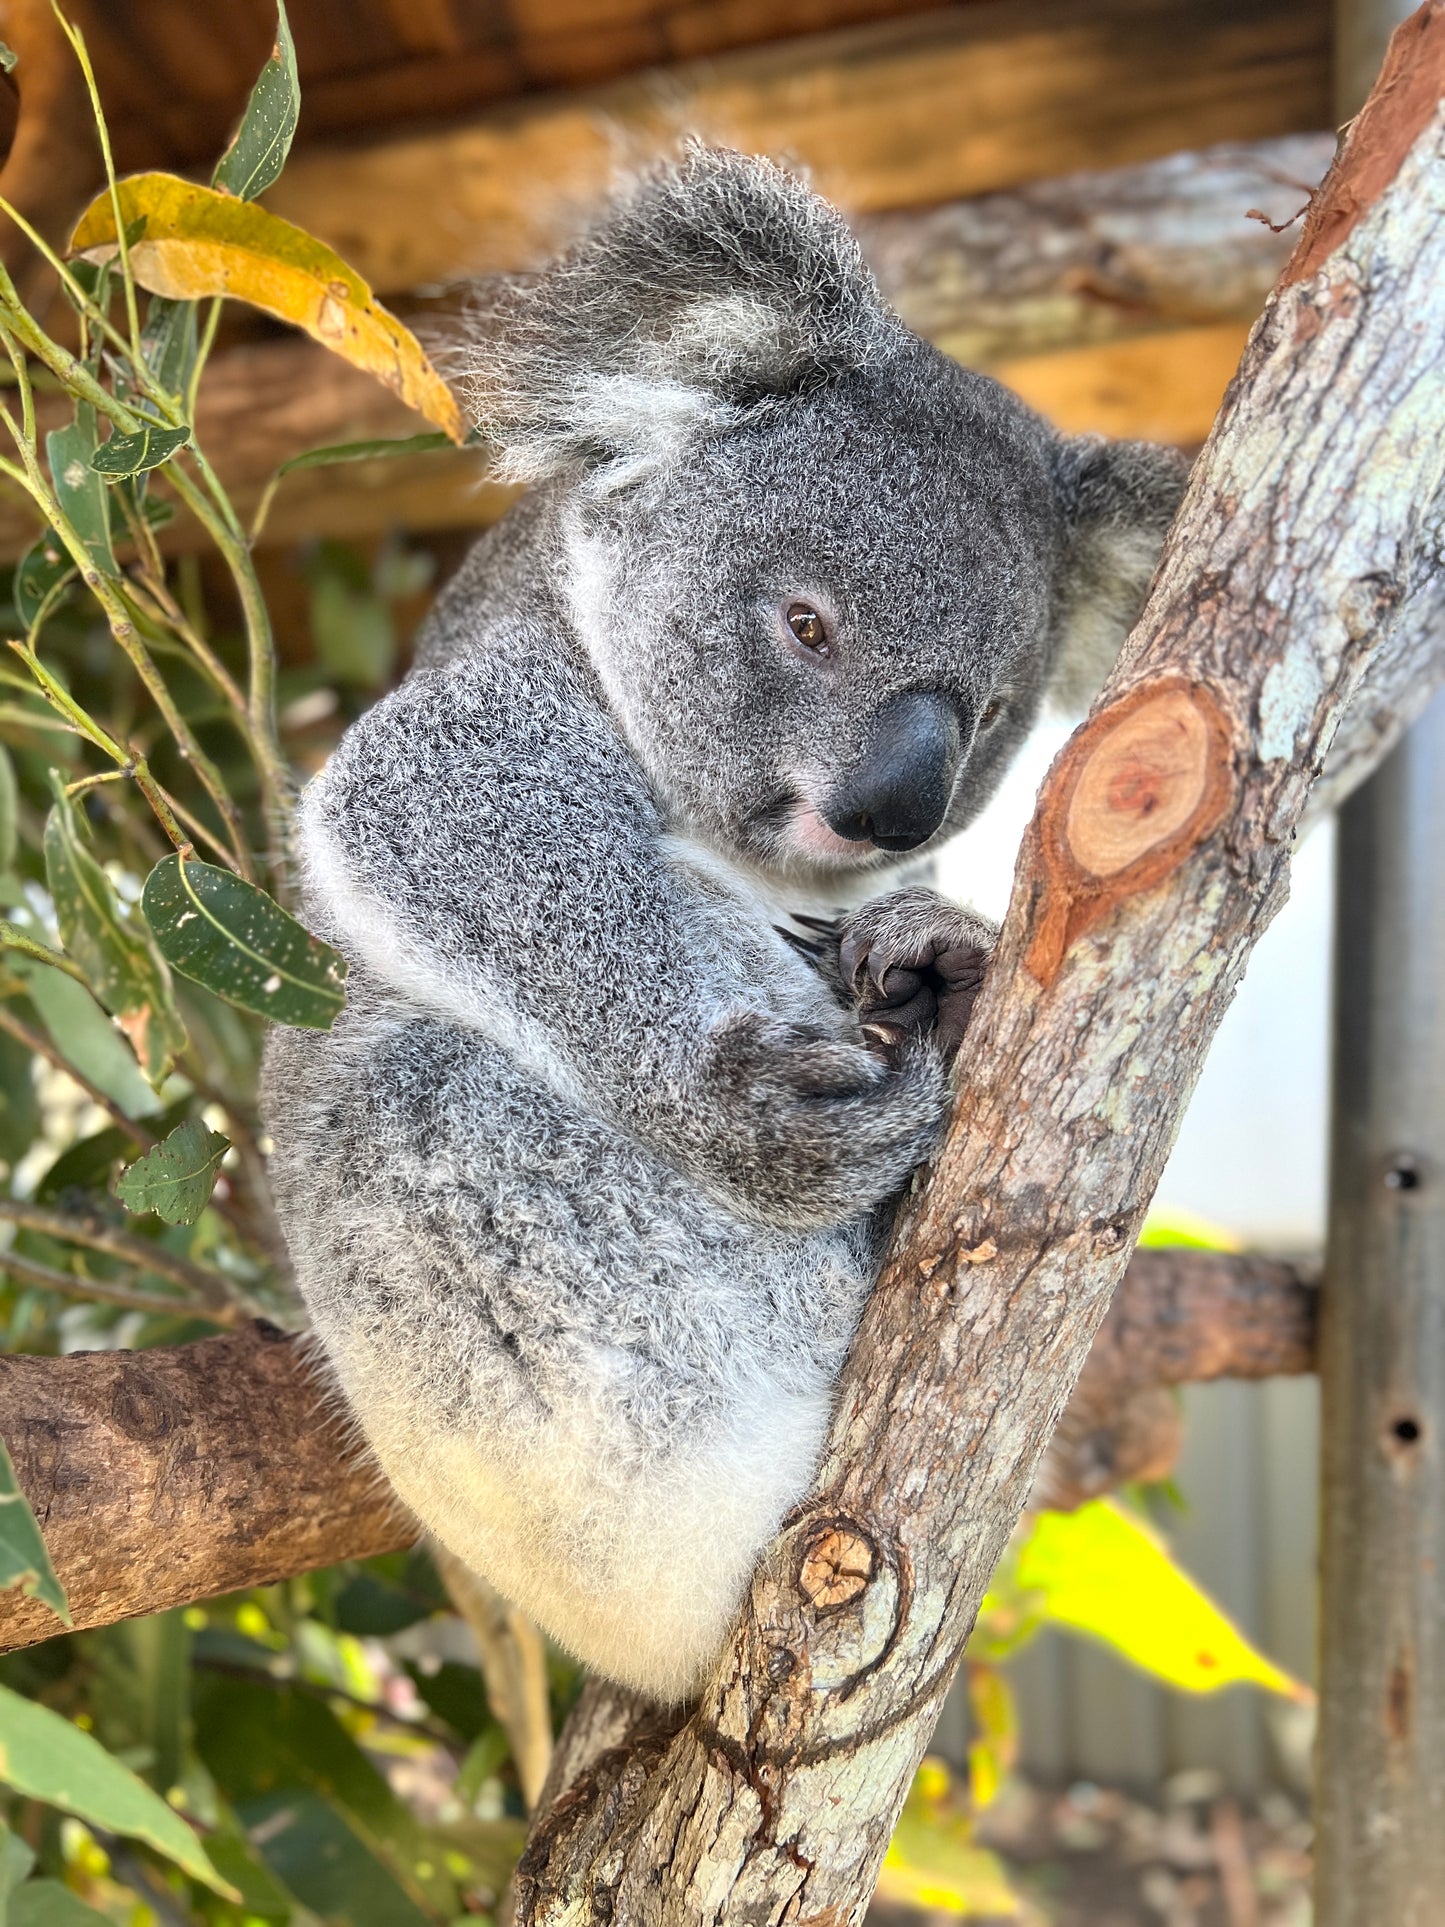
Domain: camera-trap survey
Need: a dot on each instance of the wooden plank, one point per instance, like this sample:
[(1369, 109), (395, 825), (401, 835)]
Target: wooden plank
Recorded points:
[(905, 113), (1158, 388), (1095, 272)]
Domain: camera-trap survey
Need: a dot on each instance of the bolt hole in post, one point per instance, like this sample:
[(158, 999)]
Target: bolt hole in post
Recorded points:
[(1402, 1174), (1406, 1431)]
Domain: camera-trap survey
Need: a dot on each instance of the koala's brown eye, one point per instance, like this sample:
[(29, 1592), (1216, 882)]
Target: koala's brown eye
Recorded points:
[(990, 716), (809, 628)]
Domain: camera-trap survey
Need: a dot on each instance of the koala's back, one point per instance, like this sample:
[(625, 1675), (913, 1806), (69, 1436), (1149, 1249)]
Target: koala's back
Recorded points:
[(593, 1382)]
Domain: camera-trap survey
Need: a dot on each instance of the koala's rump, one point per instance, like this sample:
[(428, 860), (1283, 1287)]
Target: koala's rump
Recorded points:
[(585, 1377)]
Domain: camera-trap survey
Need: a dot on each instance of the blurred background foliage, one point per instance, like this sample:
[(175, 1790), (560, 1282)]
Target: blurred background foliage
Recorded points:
[(324, 1748)]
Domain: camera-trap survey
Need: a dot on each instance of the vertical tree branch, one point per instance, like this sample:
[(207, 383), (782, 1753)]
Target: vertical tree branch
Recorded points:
[(1159, 852)]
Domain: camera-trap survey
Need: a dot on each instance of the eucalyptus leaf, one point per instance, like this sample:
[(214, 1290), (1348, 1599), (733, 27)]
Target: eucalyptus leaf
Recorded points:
[(136, 454), (19, 1106), (8, 58), (85, 1036), (115, 952), (16, 1860), (168, 342), (9, 812), (225, 933), (175, 1179), (81, 491), (47, 1758), (43, 567), (24, 1562), (372, 451), (263, 140), (50, 1903)]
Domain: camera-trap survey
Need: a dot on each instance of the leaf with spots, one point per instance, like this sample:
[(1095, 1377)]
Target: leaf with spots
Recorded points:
[(175, 1179), (223, 932), (80, 491), (263, 140), (199, 242), (42, 570), (24, 1562), (124, 455), (113, 948)]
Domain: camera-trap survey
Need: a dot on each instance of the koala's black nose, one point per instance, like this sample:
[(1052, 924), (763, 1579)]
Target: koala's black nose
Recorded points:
[(898, 794)]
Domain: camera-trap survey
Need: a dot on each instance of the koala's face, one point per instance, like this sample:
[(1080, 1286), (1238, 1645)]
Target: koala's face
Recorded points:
[(826, 631)]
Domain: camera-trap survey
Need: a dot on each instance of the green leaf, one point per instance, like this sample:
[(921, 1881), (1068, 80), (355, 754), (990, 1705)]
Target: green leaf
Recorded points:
[(115, 952), (45, 1757), (168, 342), (24, 1562), (263, 140), (50, 1903), (136, 454), (275, 1751), (175, 1180), (80, 489), (1101, 1571), (16, 1860), (86, 1036), (310, 1849), (8, 57), (44, 566), (384, 446), (225, 933), (19, 1106), (9, 812), (353, 631), (345, 452)]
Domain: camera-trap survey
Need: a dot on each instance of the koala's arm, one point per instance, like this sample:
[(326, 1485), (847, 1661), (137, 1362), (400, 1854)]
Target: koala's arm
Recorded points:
[(484, 845)]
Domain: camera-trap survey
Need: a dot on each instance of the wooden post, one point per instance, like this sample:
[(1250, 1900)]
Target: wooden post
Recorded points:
[(1380, 1800), (1380, 1763)]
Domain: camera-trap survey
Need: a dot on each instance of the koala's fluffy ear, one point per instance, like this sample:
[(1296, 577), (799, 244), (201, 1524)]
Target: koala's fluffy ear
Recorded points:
[(717, 285), (1118, 499)]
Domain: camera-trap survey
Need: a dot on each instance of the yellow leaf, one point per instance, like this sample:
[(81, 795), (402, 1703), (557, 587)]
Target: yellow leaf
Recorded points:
[(197, 242), (933, 1862), (1101, 1571)]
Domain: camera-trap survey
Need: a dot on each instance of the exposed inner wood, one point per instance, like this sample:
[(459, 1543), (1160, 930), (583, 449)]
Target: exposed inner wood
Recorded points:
[(1133, 794)]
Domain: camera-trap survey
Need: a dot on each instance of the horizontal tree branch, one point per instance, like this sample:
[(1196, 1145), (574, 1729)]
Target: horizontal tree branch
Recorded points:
[(165, 1476)]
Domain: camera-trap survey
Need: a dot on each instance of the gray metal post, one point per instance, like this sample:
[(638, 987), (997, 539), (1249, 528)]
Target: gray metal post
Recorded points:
[(1380, 1784), (1380, 1767)]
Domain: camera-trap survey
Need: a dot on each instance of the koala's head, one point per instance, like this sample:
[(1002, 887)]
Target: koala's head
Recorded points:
[(825, 575)]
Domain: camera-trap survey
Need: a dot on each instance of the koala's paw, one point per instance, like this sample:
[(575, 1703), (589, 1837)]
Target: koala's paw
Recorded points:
[(913, 964), (811, 1128)]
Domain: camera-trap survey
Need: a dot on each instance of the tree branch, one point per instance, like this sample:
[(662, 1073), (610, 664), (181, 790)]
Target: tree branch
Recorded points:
[(1159, 852), (165, 1476)]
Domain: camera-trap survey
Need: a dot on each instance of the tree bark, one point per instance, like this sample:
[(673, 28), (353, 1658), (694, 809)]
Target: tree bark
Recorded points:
[(1158, 854), (165, 1476)]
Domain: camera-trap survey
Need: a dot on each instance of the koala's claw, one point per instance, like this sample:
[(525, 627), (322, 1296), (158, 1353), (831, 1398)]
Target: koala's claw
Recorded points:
[(913, 963)]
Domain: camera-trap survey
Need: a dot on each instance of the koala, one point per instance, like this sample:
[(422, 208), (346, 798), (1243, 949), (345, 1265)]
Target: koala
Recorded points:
[(650, 1010)]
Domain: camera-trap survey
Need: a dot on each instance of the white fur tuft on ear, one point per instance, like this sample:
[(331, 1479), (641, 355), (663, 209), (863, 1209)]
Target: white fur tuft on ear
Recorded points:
[(635, 423)]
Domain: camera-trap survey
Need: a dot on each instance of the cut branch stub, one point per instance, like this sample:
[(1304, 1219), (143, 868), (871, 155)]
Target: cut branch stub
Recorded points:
[(1139, 788)]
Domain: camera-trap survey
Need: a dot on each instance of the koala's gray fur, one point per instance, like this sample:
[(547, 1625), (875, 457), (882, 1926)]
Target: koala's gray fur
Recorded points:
[(587, 1186)]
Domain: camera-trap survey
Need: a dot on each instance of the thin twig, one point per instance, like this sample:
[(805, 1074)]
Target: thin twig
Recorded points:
[(210, 1287), (100, 1290)]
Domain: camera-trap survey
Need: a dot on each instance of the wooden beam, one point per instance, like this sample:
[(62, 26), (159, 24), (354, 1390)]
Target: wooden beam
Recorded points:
[(902, 113), (164, 1476), (1133, 287)]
